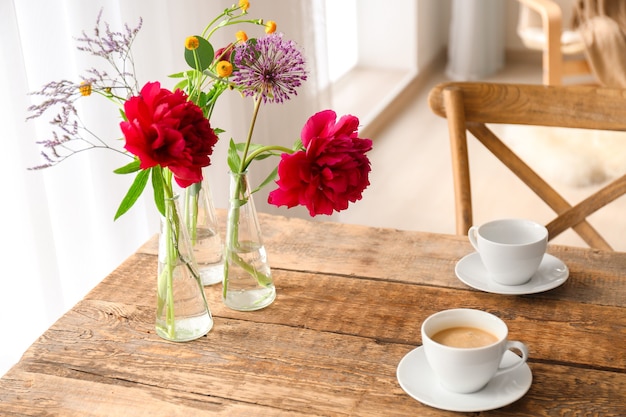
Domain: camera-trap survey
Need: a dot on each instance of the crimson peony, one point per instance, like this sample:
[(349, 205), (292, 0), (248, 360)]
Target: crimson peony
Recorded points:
[(165, 129), (332, 171)]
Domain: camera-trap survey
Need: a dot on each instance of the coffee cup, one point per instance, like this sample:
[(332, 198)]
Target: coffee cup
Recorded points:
[(465, 347), (510, 249)]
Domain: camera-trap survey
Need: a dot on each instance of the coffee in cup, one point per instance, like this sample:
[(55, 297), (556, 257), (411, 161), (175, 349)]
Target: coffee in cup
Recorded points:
[(510, 249), (464, 337), (464, 348)]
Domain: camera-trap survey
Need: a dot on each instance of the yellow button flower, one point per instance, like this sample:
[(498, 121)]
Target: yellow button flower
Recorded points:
[(192, 43), (241, 36), (224, 69), (85, 88), (270, 26), (244, 5)]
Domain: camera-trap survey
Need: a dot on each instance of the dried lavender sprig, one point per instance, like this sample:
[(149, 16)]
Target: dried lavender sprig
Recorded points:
[(115, 48), (59, 148), (69, 135)]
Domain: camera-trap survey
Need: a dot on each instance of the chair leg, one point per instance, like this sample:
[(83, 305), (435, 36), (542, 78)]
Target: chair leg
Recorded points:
[(455, 114), (543, 190)]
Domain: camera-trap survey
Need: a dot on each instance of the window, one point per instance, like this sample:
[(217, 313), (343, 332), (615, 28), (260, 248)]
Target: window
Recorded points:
[(341, 32), (371, 49)]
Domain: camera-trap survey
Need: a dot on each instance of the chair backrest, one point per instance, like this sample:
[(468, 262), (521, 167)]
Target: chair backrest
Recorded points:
[(531, 17), (469, 107), (545, 25)]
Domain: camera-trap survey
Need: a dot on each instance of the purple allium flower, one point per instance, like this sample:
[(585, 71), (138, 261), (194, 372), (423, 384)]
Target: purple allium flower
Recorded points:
[(271, 67)]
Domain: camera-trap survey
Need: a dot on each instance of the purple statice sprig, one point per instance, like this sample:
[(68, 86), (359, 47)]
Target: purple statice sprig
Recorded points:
[(69, 135), (116, 49), (270, 67)]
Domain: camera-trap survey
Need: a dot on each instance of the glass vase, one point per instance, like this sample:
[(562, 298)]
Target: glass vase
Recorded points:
[(202, 226), (247, 282), (182, 311)]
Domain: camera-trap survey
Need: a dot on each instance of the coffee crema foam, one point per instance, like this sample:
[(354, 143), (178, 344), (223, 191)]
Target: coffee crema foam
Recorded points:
[(464, 337)]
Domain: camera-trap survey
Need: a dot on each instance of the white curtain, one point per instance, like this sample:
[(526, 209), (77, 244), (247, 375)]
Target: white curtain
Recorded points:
[(58, 235), (477, 38)]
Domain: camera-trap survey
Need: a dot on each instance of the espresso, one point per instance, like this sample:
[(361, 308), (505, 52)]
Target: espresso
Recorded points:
[(464, 337)]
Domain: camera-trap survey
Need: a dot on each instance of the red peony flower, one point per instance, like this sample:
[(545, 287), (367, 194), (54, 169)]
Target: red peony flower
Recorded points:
[(223, 54), (332, 171), (166, 129)]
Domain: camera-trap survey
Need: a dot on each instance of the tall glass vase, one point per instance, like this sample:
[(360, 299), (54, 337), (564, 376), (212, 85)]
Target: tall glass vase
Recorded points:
[(182, 311), (247, 283), (202, 226)]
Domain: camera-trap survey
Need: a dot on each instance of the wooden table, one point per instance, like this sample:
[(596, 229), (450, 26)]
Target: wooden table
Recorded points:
[(350, 303)]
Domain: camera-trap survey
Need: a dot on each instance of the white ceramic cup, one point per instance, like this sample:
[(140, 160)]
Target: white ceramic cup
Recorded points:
[(467, 370), (510, 249)]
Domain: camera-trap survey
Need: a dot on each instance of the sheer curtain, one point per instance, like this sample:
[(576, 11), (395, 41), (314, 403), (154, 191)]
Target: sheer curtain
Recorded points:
[(59, 238), (477, 36)]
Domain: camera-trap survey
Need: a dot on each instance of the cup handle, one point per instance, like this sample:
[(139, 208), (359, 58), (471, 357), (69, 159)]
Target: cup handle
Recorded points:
[(514, 344), (472, 234)]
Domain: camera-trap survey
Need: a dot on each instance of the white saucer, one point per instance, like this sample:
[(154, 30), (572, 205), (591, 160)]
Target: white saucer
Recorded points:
[(552, 272), (418, 380)]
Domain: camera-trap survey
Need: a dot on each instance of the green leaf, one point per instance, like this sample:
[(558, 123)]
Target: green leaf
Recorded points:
[(212, 92), (133, 193), (264, 155), (129, 168), (241, 146), (267, 180), (178, 75), (297, 145), (181, 85), (232, 60), (204, 53), (202, 99), (157, 187), (234, 161)]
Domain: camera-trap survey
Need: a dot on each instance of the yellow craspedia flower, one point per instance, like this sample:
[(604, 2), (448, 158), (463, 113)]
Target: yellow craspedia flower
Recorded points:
[(241, 36), (244, 5), (270, 27), (192, 43), (85, 88), (224, 69)]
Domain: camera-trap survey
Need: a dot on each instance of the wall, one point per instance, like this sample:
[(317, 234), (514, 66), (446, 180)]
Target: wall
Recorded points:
[(385, 32), (433, 21), (513, 42)]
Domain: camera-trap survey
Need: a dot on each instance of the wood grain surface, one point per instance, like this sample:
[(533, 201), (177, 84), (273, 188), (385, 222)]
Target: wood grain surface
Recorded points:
[(350, 303)]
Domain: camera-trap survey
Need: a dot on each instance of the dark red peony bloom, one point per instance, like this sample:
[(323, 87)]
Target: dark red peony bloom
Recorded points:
[(166, 129), (331, 172), (223, 54)]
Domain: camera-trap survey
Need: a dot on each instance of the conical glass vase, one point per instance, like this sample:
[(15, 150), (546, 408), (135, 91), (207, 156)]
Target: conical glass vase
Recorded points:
[(202, 226), (247, 283), (182, 312)]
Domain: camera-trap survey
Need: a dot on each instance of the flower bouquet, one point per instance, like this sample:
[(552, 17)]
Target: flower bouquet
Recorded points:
[(324, 170), (169, 138)]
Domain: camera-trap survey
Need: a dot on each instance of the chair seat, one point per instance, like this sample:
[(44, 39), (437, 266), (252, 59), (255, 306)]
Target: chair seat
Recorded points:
[(535, 38)]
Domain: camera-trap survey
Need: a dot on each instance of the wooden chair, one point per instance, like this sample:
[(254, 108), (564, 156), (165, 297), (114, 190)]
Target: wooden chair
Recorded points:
[(471, 106), (545, 25)]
